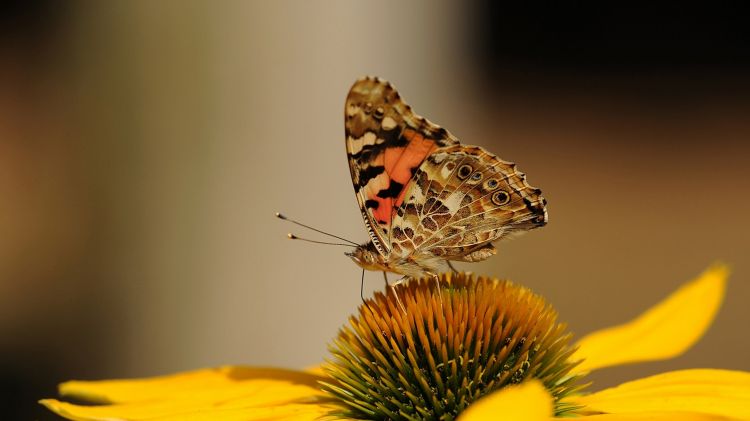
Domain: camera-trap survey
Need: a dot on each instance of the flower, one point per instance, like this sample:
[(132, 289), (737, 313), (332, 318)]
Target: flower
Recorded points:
[(435, 350), (549, 383)]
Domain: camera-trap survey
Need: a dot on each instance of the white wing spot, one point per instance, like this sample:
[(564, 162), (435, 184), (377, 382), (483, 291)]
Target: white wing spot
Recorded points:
[(388, 124), (369, 138), (445, 172)]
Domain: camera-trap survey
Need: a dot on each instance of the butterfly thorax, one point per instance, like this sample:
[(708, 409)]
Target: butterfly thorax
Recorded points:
[(368, 257)]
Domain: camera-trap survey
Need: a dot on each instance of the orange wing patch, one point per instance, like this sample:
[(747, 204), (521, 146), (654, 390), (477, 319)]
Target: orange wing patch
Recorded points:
[(401, 162)]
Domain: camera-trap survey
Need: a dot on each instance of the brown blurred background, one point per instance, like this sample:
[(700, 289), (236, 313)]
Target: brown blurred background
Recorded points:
[(144, 147)]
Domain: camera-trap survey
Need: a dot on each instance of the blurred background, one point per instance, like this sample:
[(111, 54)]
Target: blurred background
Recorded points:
[(144, 147)]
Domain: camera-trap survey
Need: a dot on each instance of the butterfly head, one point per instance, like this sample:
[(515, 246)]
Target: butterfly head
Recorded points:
[(367, 257)]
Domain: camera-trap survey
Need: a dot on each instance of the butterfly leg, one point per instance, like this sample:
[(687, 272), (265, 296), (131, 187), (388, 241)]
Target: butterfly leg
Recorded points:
[(436, 278), (362, 287), (393, 289), (450, 265)]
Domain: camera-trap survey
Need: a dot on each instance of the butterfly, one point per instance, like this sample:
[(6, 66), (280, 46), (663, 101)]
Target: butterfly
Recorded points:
[(426, 199)]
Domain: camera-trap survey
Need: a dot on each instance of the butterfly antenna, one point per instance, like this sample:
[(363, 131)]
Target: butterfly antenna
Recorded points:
[(280, 216), (294, 237)]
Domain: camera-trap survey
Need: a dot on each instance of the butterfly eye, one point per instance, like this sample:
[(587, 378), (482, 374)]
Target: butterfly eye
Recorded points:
[(464, 171), (501, 197), (491, 184), (476, 176)]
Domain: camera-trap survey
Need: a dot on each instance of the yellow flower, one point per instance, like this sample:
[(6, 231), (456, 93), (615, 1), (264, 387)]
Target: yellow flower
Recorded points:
[(530, 382)]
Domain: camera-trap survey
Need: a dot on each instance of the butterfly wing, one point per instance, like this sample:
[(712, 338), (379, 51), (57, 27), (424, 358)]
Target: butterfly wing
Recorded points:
[(462, 199), (385, 143)]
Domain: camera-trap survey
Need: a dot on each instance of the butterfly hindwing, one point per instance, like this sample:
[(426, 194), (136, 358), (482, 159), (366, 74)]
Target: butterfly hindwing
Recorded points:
[(386, 143), (461, 199)]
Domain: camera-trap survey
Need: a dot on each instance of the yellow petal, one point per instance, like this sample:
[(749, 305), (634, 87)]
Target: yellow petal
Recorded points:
[(188, 410), (664, 331), (212, 381), (715, 392), (221, 393), (656, 416), (528, 401)]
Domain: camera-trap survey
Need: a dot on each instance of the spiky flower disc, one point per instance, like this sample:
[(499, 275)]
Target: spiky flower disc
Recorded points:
[(429, 348)]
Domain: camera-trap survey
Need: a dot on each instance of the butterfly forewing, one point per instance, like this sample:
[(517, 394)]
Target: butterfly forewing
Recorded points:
[(385, 143)]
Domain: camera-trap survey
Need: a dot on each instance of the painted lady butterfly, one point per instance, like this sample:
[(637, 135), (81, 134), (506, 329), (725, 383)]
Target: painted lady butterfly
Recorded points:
[(425, 198)]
